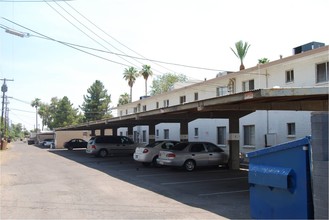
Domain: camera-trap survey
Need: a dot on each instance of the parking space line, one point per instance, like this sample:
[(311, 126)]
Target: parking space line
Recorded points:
[(200, 181), (221, 193)]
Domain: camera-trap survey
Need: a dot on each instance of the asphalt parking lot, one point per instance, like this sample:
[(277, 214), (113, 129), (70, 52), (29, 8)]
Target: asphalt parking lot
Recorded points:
[(41, 183), (218, 190)]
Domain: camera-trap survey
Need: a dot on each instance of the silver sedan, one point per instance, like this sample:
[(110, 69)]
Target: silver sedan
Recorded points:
[(148, 154), (192, 154)]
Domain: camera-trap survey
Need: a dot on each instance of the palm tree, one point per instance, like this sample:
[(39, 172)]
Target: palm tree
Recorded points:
[(146, 72), (124, 99), (130, 75), (241, 51), (36, 103)]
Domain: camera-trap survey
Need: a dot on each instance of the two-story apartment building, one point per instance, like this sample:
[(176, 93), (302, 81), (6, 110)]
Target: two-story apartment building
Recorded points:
[(307, 67)]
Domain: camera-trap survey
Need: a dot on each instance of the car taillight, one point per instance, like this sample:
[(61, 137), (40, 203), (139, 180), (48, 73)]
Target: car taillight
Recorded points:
[(93, 146), (145, 151), (170, 155)]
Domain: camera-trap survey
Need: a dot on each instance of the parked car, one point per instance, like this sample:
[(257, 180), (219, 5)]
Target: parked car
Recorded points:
[(148, 154), (48, 143), (193, 154), (103, 146), (75, 143)]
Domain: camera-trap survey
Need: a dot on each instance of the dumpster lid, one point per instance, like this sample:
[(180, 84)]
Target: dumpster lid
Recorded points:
[(280, 147)]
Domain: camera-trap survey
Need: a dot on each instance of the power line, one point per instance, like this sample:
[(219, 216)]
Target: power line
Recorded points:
[(114, 38), (81, 29), (99, 50)]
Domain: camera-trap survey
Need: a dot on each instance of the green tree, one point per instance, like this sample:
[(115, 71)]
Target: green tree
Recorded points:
[(64, 114), (146, 72), (36, 103), (263, 60), (165, 82), (241, 51), (124, 99), (44, 114), (96, 103), (130, 75)]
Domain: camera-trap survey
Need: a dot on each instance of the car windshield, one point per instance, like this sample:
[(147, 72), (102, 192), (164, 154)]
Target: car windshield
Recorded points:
[(179, 146)]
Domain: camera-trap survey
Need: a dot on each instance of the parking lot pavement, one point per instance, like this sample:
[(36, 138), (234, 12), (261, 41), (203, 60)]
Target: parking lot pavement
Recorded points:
[(203, 194)]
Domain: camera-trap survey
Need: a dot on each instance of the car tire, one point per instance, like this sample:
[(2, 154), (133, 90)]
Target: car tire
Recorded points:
[(102, 153), (189, 165), (70, 148), (154, 162)]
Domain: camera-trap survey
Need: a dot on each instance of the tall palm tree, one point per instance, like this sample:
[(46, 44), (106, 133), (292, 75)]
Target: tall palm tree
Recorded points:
[(241, 51), (146, 72), (130, 75), (36, 103)]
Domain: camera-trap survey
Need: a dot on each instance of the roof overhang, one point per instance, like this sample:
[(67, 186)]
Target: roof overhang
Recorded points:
[(235, 105)]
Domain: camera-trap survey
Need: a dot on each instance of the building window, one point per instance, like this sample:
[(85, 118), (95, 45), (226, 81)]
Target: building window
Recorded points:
[(157, 132), (221, 91), (249, 135), (144, 136), (144, 108), (157, 104), (196, 132), (166, 103), (166, 134), (289, 76), (322, 72), (138, 107), (182, 99), (135, 109), (221, 135), (121, 113), (126, 111), (196, 96), (248, 85), (291, 129)]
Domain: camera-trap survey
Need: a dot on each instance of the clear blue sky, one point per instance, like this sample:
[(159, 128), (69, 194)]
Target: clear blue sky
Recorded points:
[(190, 32)]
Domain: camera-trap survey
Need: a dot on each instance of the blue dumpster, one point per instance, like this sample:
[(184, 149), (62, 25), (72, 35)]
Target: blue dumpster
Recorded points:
[(280, 181)]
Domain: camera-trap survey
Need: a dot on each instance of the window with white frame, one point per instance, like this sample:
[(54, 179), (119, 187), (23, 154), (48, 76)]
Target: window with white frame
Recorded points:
[(182, 99), (291, 129), (126, 111), (166, 134), (157, 132), (144, 108), (135, 109), (120, 112), (249, 135), (221, 91), (289, 76), (248, 85), (196, 132), (322, 72), (196, 96), (157, 104), (221, 135), (166, 103)]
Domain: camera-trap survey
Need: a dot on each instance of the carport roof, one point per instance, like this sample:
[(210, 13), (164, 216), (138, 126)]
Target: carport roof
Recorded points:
[(235, 105)]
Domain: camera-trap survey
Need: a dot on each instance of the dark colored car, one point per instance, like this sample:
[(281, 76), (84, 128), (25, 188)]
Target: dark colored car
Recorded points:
[(75, 143)]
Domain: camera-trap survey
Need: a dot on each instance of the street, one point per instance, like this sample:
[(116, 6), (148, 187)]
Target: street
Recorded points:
[(41, 183)]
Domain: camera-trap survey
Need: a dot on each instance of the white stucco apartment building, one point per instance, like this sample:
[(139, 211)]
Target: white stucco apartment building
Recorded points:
[(306, 67)]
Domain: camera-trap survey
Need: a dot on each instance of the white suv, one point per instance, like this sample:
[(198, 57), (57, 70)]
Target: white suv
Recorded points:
[(103, 146)]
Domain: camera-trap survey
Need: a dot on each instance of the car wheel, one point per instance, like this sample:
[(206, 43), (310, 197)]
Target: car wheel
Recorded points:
[(102, 153), (70, 148), (154, 162), (189, 165)]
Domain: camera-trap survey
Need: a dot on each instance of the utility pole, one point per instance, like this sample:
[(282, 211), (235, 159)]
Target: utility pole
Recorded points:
[(4, 89)]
